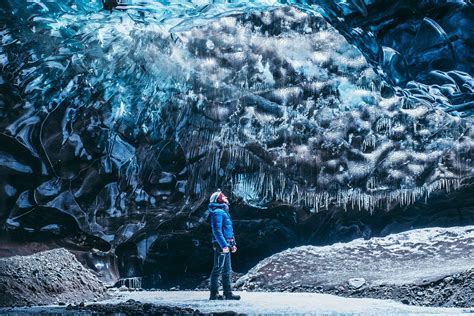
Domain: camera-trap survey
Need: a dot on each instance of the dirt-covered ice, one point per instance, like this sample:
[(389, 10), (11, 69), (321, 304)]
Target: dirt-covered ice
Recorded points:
[(431, 261), (48, 277), (399, 258)]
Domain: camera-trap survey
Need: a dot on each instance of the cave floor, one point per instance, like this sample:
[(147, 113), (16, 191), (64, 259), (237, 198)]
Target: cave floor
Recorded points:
[(262, 303)]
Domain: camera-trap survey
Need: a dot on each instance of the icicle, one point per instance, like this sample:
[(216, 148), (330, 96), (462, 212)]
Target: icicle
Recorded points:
[(369, 141), (134, 282)]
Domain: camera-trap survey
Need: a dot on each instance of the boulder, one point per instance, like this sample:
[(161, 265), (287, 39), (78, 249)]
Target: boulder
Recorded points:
[(356, 282)]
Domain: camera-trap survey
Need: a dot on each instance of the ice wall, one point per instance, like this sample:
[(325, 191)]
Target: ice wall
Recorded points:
[(114, 117)]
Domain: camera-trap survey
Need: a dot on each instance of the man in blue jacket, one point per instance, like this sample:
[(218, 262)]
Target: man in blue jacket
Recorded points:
[(223, 242)]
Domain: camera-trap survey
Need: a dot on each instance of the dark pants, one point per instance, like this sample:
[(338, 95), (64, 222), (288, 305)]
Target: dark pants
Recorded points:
[(221, 265)]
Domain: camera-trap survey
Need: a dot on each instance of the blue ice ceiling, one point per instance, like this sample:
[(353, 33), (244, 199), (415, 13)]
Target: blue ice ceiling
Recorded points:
[(112, 108)]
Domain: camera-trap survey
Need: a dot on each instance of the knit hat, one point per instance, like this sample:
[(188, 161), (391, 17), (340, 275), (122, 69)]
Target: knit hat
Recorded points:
[(217, 197)]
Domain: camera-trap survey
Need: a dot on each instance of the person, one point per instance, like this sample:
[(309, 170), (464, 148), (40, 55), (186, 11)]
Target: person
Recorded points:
[(223, 242)]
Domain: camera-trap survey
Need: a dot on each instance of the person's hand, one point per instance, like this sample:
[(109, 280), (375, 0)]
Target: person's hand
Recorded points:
[(225, 250), (233, 249)]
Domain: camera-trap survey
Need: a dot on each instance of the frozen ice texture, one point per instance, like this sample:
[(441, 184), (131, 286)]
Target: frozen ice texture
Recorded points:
[(111, 114)]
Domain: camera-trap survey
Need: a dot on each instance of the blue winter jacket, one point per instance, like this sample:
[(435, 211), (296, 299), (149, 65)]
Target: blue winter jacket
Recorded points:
[(221, 224)]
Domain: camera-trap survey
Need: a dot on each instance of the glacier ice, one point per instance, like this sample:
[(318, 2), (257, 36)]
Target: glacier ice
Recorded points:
[(150, 103)]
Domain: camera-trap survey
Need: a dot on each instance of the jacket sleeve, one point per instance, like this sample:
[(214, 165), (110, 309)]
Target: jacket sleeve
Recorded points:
[(216, 226), (230, 229)]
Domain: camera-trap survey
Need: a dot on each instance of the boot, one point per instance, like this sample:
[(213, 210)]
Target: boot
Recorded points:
[(216, 296), (230, 296)]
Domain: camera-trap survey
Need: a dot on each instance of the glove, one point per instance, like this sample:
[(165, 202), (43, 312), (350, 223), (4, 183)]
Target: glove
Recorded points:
[(231, 242), (225, 250), (233, 249)]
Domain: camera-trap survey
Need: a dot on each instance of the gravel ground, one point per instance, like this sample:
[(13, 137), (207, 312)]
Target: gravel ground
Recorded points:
[(456, 290), (133, 307), (49, 277)]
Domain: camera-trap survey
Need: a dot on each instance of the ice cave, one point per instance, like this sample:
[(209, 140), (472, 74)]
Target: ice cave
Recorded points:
[(341, 131)]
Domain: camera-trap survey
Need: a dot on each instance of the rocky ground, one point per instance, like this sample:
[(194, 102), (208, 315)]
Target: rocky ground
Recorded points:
[(430, 267), (49, 277), (456, 290), (133, 307), (129, 307)]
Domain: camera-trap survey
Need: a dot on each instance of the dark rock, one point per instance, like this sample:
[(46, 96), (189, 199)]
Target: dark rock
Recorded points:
[(132, 307)]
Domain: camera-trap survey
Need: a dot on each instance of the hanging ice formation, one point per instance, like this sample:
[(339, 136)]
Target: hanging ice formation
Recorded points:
[(106, 113)]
